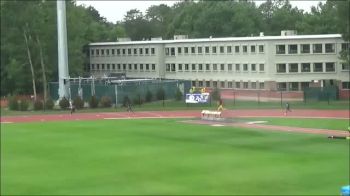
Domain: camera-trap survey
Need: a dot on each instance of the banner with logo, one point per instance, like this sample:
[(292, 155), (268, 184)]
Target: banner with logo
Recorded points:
[(197, 98)]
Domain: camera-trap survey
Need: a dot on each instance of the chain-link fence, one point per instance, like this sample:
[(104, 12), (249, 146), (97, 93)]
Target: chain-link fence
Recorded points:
[(117, 92)]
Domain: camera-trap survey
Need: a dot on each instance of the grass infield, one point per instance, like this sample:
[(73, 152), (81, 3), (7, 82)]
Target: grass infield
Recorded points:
[(165, 156)]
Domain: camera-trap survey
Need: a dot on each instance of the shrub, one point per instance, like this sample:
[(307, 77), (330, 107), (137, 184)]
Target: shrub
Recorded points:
[(49, 104), (93, 102), (23, 105), (13, 103), (106, 101), (137, 100), (215, 94), (78, 102), (38, 105), (64, 103), (126, 100), (149, 96), (178, 94), (160, 94)]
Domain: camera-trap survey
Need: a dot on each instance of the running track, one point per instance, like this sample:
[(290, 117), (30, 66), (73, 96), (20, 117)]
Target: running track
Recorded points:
[(339, 114)]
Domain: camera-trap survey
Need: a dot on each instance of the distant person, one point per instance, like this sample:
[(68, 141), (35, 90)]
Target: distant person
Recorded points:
[(128, 108), (287, 109), (72, 108), (221, 107)]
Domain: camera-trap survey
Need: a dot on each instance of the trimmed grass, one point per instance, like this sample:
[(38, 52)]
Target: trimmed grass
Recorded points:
[(164, 156), (336, 124)]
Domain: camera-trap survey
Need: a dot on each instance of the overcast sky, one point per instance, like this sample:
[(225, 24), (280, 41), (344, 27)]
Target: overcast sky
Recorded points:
[(115, 11)]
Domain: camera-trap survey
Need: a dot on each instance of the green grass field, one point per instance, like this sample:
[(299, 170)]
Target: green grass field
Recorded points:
[(165, 156)]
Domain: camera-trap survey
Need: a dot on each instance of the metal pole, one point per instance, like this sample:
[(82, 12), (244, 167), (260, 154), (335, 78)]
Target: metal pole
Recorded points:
[(116, 96), (62, 49)]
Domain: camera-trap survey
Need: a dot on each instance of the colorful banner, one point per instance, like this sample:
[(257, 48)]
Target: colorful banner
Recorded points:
[(197, 98)]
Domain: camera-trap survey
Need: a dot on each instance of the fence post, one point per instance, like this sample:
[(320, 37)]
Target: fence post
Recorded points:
[(116, 96)]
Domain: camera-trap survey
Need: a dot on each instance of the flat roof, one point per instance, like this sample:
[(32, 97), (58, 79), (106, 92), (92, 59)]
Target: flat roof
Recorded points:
[(223, 39)]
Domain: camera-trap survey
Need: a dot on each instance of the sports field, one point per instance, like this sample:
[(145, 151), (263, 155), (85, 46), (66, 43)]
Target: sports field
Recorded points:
[(167, 156)]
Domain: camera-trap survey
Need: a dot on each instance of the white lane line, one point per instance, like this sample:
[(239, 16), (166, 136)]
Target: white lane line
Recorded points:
[(6, 122)]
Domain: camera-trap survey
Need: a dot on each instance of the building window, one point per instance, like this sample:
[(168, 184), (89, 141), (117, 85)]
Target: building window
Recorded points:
[(92, 67), (345, 67), (186, 50), (222, 67), (141, 67), (215, 67), (330, 67), (318, 67), (186, 67), (293, 67), (305, 67), (207, 83), (113, 51), (215, 84), (261, 48), (229, 67), (92, 52), (253, 84), (200, 67), (222, 84), (280, 49), (213, 49), (345, 46), (108, 66), (153, 67), (207, 49), (193, 83), (97, 66), (229, 84), (261, 67), (304, 85), (129, 51), (317, 48), (292, 49), (179, 50), (102, 52), (118, 51), (245, 85), (236, 49), (245, 49), (345, 85), (245, 67), (281, 86), (305, 48), (123, 51), (147, 51), (103, 66), (113, 66), (252, 49), (135, 51), (141, 51), (124, 66), (193, 67), (153, 51), (167, 67), (293, 86), (173, 67), (172, 51), (135, 66), (179, 67), (238, 84), (200, 83), (281, 68), (199, 49), (193, 50), (118, 66), (261, 85), (207, 67), (330, 48), (238, 67), (147, 67), (130, 66), (229, 49), (222, 50), (253, 67)]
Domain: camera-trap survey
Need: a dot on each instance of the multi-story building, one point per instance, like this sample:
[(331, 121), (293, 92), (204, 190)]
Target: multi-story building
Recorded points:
[(288, 62)]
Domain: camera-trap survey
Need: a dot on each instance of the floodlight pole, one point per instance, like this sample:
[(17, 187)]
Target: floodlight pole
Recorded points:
[(63, 76)]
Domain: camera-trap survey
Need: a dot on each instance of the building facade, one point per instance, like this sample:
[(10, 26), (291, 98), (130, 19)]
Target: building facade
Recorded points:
[(288, 62)]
